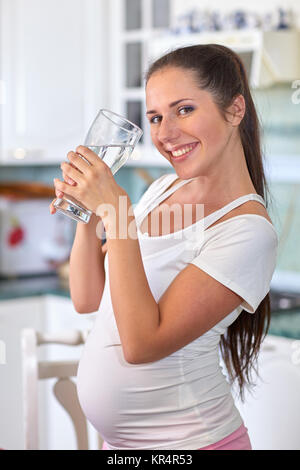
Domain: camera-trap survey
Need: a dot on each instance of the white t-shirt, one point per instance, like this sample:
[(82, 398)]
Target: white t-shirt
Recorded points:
[(182, 401)]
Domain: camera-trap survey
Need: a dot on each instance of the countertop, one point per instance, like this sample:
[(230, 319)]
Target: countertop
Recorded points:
[(32, 286), (284, 322)]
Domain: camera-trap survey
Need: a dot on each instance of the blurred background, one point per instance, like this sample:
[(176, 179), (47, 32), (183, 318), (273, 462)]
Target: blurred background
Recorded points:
[(63, 60)]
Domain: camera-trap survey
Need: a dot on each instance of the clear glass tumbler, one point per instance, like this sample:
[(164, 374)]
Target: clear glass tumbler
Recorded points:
[(112, 138)]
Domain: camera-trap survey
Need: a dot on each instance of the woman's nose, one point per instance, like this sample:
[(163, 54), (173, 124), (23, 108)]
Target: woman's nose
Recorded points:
[(168, 131)]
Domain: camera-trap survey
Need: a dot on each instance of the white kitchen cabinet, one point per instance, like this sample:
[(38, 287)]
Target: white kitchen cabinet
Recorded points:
[(63, 60), (132, 26), (58, 431), (272, 412), (53, 76), (14, 315), (46, 314)]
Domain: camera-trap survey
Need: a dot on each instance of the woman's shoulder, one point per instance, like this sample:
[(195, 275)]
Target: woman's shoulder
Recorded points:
[(247, 227), (248, 208)]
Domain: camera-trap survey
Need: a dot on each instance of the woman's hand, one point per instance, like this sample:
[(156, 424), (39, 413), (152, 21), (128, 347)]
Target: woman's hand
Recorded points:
[(60, 194), (95, 186)]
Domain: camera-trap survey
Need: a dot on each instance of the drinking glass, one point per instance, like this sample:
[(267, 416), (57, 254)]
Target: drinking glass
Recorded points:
[(113, 138)]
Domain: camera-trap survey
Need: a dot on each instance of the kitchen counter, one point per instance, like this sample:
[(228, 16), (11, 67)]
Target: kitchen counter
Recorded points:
[(31, 287), (284, 322)]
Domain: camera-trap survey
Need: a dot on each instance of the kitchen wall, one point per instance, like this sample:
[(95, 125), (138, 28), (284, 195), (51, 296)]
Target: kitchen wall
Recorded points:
[(126, 177), (279, 111), (279, 114), (281, 136)]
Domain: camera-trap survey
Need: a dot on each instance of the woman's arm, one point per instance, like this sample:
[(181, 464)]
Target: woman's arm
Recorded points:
[(87, 275)]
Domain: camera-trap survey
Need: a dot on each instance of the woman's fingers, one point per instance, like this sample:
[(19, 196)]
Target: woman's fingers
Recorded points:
[(68, 179), (76, 162), (71, 172), (52, 208), (59, 194)]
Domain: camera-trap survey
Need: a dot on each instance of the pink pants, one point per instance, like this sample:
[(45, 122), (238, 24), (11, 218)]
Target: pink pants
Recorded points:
[(238, 440)]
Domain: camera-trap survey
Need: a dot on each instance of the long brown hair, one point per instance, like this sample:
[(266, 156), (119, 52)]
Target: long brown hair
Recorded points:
[(220, 71)]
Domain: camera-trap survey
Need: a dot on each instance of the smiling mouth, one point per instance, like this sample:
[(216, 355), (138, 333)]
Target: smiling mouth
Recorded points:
[(182, 152)]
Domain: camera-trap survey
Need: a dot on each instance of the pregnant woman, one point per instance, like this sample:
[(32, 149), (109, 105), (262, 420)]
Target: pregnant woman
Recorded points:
[(187, 271)]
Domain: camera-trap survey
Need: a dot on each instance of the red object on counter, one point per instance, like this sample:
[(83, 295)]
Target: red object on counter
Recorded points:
[(16, 234)]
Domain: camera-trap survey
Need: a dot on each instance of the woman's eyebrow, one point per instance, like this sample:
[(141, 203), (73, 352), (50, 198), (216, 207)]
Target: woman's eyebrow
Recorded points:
[(171, 105)]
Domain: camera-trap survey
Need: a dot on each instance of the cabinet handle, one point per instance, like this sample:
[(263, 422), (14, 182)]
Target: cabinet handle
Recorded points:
[(71, 337)]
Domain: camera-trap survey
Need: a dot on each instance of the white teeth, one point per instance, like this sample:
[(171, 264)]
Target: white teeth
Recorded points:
[(178, 153)]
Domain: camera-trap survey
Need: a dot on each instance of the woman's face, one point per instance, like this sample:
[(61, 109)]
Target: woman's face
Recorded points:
[(186, 125)]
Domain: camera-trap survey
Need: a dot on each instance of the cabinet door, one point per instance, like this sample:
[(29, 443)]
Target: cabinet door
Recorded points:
[(45, 314), (14, 315), (51, 75), (133, 24), (56, 429), (272, 412)]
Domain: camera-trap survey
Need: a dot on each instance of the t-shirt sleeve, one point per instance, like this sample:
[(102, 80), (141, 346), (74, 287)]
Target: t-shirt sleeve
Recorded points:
[(241, 254)]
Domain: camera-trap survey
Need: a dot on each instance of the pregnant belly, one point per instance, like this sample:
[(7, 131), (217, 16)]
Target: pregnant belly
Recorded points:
[(122, 400)]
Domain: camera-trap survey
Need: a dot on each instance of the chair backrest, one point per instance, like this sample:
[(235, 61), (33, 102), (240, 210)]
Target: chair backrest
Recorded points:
[(64, 389)]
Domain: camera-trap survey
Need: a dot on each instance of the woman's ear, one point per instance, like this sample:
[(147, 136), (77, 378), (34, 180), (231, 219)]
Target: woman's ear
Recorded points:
[(237, 110)]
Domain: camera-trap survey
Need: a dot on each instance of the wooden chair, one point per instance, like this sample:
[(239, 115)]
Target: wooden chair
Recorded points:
[(64, 389)]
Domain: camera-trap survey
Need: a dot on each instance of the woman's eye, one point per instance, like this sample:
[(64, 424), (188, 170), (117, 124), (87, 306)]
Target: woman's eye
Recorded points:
[(185, 110), (155, 119)]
